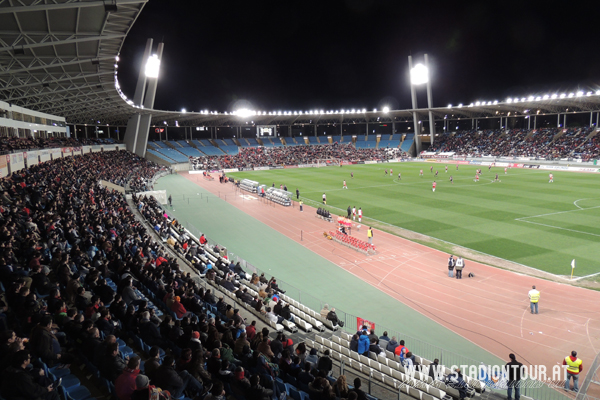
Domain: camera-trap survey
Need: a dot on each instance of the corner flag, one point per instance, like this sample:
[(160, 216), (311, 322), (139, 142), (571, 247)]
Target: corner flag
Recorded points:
[(572, 267)]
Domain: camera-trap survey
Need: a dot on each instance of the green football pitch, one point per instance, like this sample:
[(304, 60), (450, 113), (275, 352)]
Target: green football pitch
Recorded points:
[(523, 218)]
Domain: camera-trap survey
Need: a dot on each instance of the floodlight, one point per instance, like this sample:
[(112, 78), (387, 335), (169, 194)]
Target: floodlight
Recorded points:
[(580, 93), (478, 103), (538, 98), (152, 66), (183, 110), (531, 98), (449, 106), (563, 95), (419, 74), (597, 92), (571, 94), (243, 112), (364, 110), (509, 100)]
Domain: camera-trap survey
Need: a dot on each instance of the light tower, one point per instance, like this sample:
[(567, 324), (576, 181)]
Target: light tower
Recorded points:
[(419, 74), (136, 135)]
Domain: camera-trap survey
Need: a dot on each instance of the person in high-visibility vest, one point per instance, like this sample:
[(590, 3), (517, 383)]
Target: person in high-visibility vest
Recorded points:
[(534, 298), (370, 235), (574, 367), (301, 205)]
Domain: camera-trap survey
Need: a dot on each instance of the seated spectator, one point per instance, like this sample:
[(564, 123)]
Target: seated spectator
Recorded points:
[(332, 316), (176, 383), (19, 384), (384, 337), (341, 387), (456, 381), (360, 395), (125, 383), (325, 363), (251, 330), (325, 311), (312, 357), (305, 376), (258, 392), (111, 365), (433, 370), (152, 364), (374, 347), (239, 344), (392, 344)]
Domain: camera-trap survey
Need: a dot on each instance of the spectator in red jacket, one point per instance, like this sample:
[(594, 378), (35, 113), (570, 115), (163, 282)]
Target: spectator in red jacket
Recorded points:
[(125, 383), (178, 308)]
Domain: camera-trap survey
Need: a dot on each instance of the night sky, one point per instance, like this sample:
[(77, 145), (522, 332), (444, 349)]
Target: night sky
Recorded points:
[(333, 54)]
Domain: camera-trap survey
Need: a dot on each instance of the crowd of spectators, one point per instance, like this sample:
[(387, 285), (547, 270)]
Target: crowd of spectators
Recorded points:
[(11, 144), (72, 258), (250, 157), (547, 143)]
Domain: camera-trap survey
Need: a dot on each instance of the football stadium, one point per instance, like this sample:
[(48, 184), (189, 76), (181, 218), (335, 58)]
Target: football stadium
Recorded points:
[(421, 252)]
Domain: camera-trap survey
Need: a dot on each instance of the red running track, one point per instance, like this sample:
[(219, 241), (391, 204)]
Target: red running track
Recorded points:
[(494, 305)]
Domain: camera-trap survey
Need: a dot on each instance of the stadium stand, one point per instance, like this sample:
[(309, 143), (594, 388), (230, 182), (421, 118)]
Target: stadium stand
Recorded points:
[(10, 144), (294, 155), (408, 142), (313, 140), (253, 142), (173, 155), (230, 149), (191, 152)]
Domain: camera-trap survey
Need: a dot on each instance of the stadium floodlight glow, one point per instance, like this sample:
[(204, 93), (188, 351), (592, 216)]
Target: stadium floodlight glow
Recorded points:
[(183, 110), (571, 94), (589, 93), (449, 106), (478, 103), (243, 112), (563, 95), (117, 58), (322, 112), (509, 100), (495, 102), (597, 92), (364, 110), (353, 111), (538, 98), (546, 97), (531, 98), (579, 94), (523, 99), (152, 66), (460, 105), (419, 74), (554, 96)]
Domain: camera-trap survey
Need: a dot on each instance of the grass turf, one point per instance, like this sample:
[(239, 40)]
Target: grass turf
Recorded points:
[(523, 218)]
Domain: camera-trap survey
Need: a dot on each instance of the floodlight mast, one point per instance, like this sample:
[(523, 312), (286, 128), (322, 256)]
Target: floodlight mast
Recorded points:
[(413, 96), (419, 74)]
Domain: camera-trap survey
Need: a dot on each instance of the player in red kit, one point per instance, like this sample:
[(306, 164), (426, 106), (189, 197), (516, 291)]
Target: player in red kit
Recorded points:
[(433, 186)]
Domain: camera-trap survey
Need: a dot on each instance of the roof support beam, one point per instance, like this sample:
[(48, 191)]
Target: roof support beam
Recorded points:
[(60, 42), (67, 78), (63, 6), (58, 64)]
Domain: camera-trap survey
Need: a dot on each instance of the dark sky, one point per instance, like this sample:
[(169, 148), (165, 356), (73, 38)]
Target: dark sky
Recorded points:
[(332, 54)]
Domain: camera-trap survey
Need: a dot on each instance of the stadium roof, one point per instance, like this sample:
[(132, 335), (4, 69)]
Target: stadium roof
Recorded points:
[(60, 57)]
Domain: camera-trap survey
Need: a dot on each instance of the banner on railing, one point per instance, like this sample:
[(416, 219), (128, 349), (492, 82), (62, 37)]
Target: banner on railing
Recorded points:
[(360, 322)]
